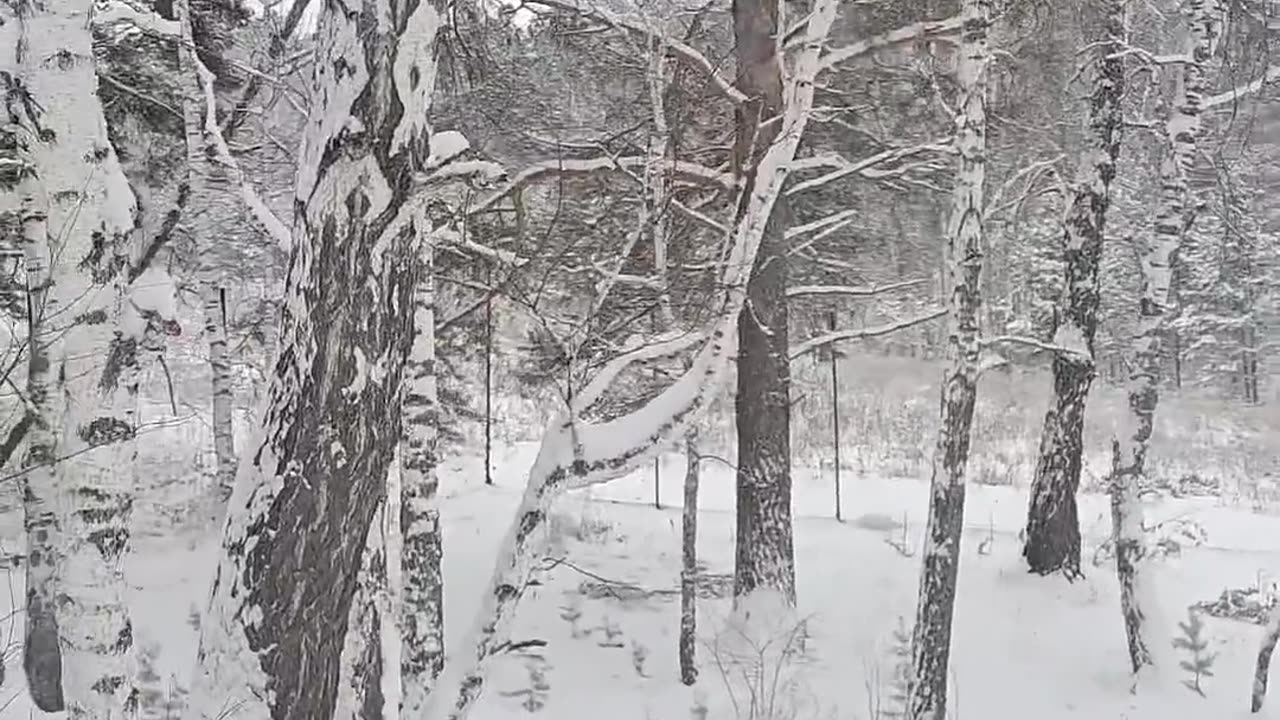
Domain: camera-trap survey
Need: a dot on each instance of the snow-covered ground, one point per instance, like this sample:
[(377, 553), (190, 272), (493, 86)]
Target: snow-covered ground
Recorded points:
[(608, 611)]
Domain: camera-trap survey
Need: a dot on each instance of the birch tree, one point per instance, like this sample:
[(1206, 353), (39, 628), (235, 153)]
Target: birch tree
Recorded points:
[(1175, 214), (210, 203), (279, 608), (576, 454), (106, 324), (1053, 526), (931, 641), (42, 656)]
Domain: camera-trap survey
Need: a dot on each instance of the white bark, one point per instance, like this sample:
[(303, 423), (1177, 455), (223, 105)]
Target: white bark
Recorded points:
[(42, 656), (91, 222), (1148, 648), (935, 609), (205, 182), (588, 454)]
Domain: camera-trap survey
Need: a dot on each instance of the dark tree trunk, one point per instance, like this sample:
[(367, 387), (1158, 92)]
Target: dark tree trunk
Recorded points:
[(1263, 668), (931, 642), (1053, 527), (689, 562), (306, 496), (764, 557)]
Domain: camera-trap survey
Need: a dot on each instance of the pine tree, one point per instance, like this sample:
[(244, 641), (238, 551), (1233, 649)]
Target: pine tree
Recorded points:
[(1194, 643)]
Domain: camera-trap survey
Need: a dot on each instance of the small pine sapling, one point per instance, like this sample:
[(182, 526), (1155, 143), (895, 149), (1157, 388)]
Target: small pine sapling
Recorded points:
[(1194, 643), (612, 634), (639, 654), (572, 613), (900, 681), (535, 695)]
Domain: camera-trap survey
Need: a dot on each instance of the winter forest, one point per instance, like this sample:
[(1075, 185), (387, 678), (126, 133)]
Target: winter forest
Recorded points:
[(643, 359)]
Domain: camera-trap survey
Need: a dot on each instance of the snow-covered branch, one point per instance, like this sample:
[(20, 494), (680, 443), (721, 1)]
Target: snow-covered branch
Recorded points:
[(120, 11), (864, 167), (1229, 97), (836, 218), (1063, 350), (862, 333), (682, 50), (934, 29), (582, 454), (637, 349), (691, 171), (850, 291), (278, 231)]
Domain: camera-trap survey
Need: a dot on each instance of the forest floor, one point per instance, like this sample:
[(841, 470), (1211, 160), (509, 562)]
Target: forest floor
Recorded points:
[(608, 606)]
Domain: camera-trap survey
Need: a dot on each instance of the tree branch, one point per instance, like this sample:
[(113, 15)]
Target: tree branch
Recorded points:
[(935, 29), (680, 49), (692, 171), (848, 291), (278, 231), (862, 333), (863, 167)]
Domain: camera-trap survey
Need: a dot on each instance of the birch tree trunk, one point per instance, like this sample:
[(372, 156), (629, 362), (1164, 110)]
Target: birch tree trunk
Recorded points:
[(1053, 526), (1129, 449), (1262, 668), (212, 202), (931, 642), (764, 557), (580, 454), (90, 220), (41, 654), (278, 614), (422, 609)]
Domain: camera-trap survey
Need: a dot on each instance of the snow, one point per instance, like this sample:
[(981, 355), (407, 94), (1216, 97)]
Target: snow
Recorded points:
[(446, 146), (1024, 646)]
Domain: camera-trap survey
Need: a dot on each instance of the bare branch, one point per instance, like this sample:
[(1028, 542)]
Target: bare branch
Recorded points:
[(862, 333), (689, 170), (680, 49)]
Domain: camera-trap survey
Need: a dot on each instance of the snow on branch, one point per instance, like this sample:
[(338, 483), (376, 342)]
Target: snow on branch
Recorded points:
[(836, 218), (278, 231), (1065, 350), (862, 333), (581, 454), (934, 29), (680, 49), (864, 167), (637, 349), (1229, 97), (120, 11), (689, 170), (850, 291)]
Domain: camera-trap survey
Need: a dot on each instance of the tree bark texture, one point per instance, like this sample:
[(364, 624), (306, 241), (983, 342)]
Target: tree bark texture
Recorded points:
[(49, 48), (764, 556), (931, 642), (689, 562), (1174, 217), (213, 207), (1053, 526), (280, 604)]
